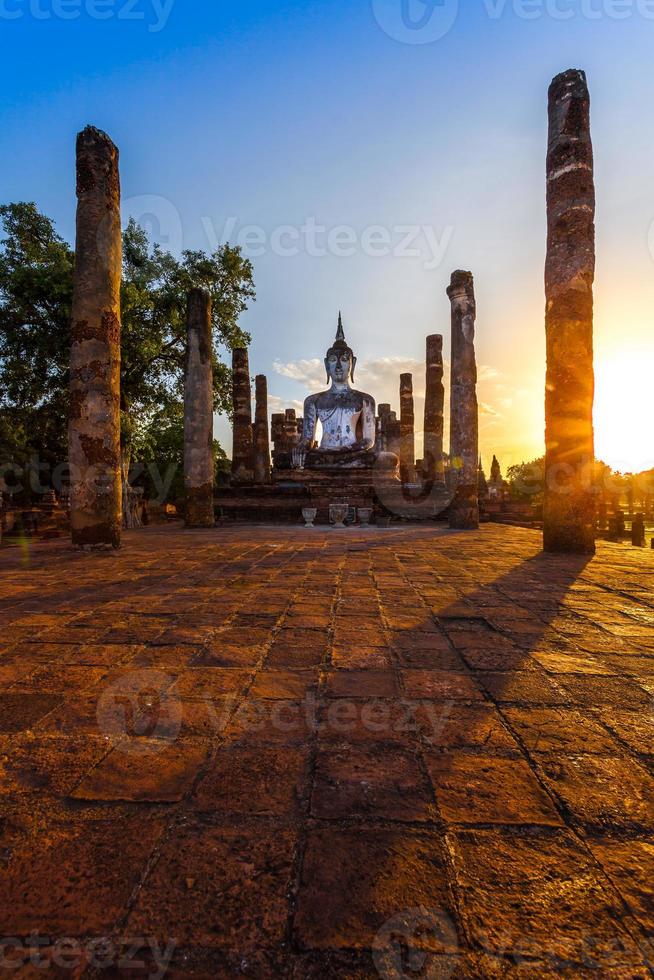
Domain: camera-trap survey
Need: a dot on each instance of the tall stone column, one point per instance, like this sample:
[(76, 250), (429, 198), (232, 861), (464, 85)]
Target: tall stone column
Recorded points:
[(242, 451), (261, 435), (198, 412), (568, 510), (94, 420), (407, 429), (434, 406), (464, 422)]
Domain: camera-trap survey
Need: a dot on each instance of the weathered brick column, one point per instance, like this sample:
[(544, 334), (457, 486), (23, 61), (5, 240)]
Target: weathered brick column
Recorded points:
[(94, 421), (407, 429), (434, 406), (383, 414), (242, 451), (464, 436), (198, 412), (568, 509), (260, 430), (394, 435)]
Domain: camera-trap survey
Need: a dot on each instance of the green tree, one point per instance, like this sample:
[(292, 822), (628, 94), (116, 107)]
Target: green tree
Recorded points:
[(527, 480), (36, 288), (36, 282), (159, 453)]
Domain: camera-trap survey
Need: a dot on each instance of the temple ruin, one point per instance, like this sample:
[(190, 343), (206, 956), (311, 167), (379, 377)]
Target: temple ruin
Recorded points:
[(366, 457)]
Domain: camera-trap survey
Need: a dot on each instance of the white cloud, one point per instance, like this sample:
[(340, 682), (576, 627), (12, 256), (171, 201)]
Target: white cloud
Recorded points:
[(277, 404), (487, 373), (311, 373)]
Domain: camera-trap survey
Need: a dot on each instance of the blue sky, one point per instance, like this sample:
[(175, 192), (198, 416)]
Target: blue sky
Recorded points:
[(291, 116)]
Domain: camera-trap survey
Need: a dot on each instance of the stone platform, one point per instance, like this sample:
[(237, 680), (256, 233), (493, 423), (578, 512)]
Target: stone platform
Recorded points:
[(286, 753), (283, 500)]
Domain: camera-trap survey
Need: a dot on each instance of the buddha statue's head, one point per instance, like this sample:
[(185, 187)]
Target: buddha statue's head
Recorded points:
[(340, 361)]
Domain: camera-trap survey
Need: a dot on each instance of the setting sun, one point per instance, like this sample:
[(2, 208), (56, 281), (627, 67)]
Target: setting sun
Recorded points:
[(623, 407)]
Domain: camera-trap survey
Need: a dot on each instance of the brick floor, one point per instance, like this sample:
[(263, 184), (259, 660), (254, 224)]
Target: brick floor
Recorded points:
[(280, 752)]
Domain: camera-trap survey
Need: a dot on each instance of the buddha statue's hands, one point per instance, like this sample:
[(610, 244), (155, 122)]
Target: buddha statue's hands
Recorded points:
[(361, 445)]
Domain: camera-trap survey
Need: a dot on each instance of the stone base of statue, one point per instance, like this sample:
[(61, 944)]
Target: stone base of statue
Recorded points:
[(334, 462), (368, 460), (317, 479), (353, 477)]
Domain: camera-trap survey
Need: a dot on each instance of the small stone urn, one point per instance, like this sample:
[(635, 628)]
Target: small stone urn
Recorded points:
[(364, 514), (309, 514), (338, 513)]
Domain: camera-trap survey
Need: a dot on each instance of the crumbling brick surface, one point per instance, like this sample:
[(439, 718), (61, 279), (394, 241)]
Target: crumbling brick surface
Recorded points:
[(301, 754)]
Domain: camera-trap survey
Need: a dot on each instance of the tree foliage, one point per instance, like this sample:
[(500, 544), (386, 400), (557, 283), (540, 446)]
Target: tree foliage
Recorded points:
[(36, 287)]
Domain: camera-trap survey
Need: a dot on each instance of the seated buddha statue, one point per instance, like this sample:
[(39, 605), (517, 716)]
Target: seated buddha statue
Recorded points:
[(347, 417)]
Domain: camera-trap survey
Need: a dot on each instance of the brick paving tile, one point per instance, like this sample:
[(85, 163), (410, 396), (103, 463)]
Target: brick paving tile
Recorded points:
[(219, 886), (372, 875), (153, 772), (21, 711), (541, 895), (76, 881), (630, 866), (36, 763), (319, 754), (370, 781), (284, 684), (361, 684), (479, 789), (441, 685), (451, 725), (255, 780), (559, 729), (601, 793)]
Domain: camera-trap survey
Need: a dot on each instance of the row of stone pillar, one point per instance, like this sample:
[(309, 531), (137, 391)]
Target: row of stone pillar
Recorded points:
[(94, 415), (399, 436), (94, 425), (251, 440)]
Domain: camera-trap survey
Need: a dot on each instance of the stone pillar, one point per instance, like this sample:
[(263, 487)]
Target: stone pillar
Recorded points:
[(568, 509), (434, 405), (242, 450), (261, 435), (198, 412), (393, 435), (94, 420), (384, 411), (464, 437), (407, 423), (292, 430)]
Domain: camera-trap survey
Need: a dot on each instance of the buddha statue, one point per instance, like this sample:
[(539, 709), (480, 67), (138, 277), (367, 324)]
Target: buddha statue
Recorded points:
[(347, 417)]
